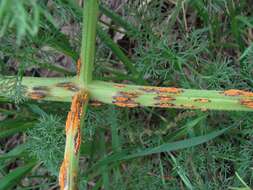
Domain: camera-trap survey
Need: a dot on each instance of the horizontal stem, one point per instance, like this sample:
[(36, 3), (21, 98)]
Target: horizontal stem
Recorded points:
[(62, 89), (144, 96)]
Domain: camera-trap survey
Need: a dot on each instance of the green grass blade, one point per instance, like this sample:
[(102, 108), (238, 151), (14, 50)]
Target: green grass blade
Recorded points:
[(130, 29), (11, 127), (14, 153), (166, 147), (13, 178), (189, 125), (117, 51)]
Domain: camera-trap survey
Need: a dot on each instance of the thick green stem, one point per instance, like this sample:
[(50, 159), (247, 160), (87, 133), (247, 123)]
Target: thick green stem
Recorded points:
[(170, 97), (88, 41), (51, 89), (136, 96)]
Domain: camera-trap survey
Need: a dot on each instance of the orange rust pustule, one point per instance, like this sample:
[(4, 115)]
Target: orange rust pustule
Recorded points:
[(37, 95), (247, 102), (121, 98), (202, 100), (234, 92), (170, 90), (164, 98), (74, 116), (77, 141), (126, 104), (129, 94), (63, 175), (78, 66), (68, 86)]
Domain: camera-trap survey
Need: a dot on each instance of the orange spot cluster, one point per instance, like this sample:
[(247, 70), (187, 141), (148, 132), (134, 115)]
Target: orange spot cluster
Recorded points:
[(63, 174), (72, 126), (234, 92), (247, 102), (37, 95), (202, 100), (74, 116), (68, 86), (126, 99)]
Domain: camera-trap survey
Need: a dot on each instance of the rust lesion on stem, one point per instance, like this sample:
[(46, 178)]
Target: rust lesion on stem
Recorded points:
[(235, 92), (161, 90), (68, 86), (247, 102), (78, 66), (126, 99), (69, 167), (37, 95), (202, 100)]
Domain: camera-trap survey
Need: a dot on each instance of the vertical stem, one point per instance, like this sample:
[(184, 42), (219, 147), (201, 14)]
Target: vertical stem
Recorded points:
[(90, 16), (69, 168)]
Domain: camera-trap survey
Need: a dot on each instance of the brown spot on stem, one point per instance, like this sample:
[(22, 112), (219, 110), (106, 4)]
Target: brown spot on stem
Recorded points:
[(129, 94), (187, 106), (96, 103), (234, 92), (247, 102), (202, 100), (165, 105), (40, 88), (37, 95), (68, 86)]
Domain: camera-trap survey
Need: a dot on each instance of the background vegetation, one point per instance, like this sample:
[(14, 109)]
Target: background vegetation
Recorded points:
[(186, 43)]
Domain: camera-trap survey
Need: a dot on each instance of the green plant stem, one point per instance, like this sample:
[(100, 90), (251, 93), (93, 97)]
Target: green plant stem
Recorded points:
[(107, 92), (90, 16)]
